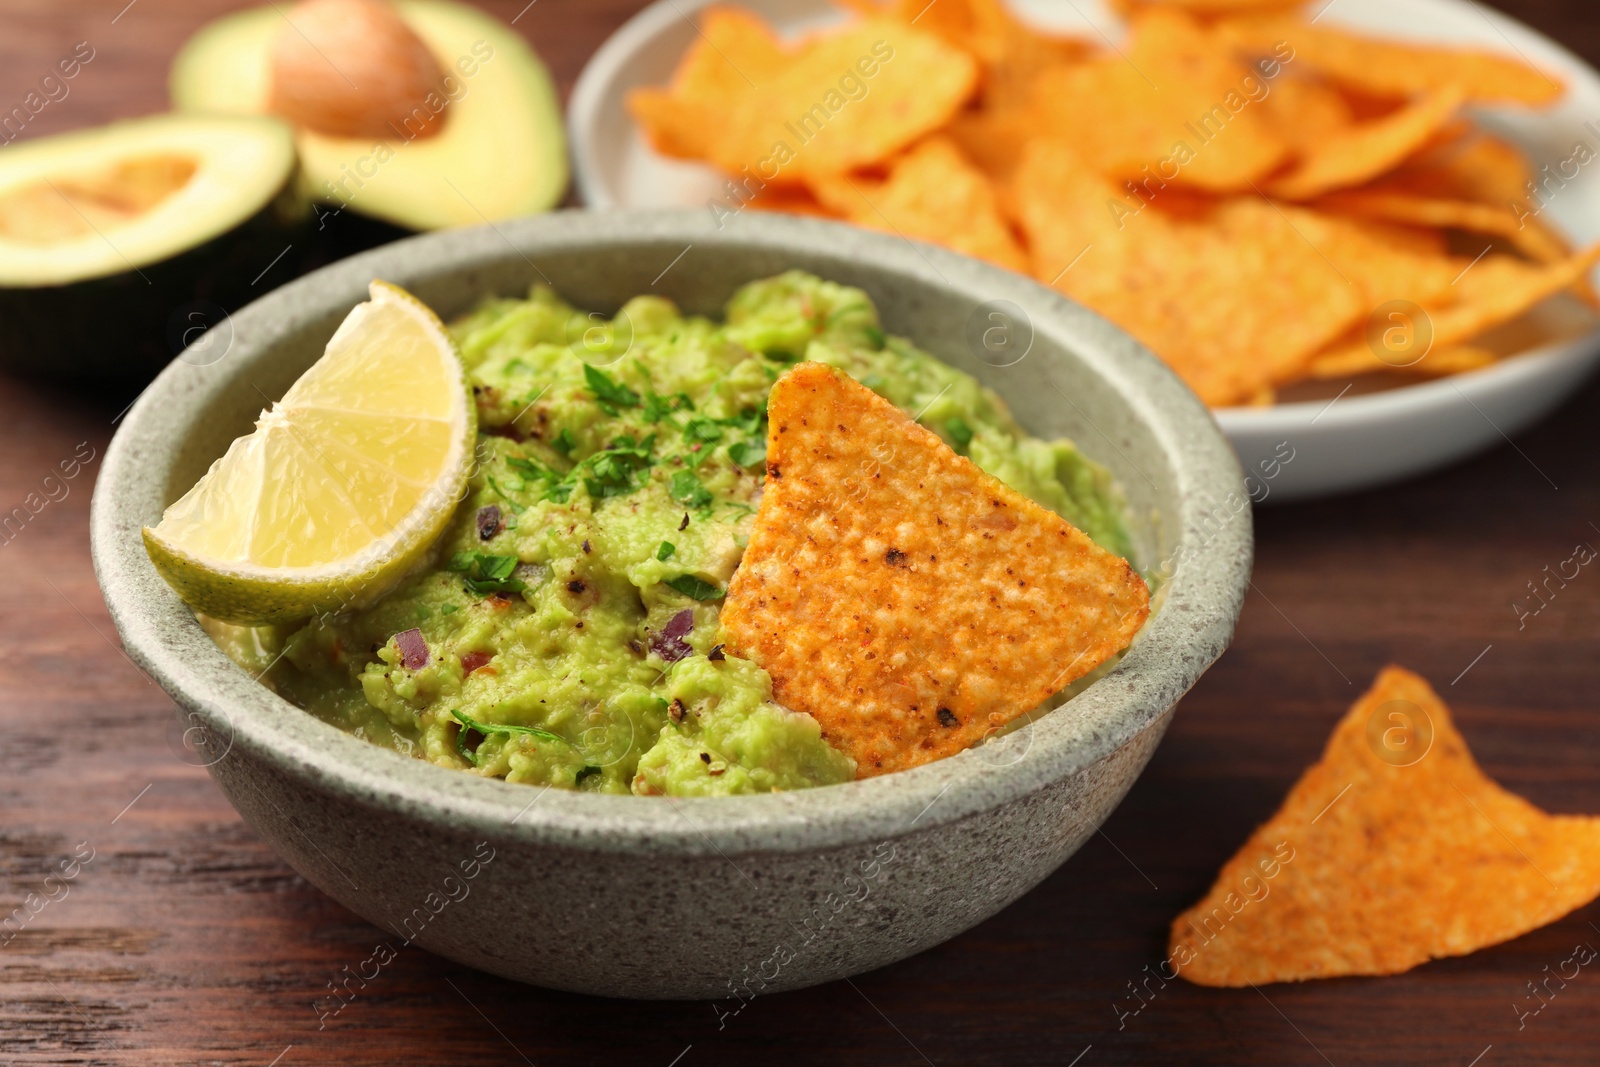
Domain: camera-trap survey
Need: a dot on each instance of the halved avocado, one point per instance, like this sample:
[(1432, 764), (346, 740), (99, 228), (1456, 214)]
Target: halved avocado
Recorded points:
[(122, 243), (501, 151)]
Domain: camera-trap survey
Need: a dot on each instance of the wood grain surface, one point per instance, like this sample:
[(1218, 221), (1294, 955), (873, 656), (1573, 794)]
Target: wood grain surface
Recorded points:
[(185, 940)]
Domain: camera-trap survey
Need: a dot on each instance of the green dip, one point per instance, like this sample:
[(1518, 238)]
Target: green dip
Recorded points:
[(569, 617)]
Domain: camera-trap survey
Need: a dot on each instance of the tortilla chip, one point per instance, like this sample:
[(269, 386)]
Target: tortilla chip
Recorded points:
[(1368, 149), (1483, 170), (995, 137), (1392, 68), (1011, 54), (1305, 112), (1382, 263), (732, 48), (1172, 110), (933, 194), (814, 109), (1534, 241), (1207, 7), (804, 109), (1393, 849), (787, 200), (908, 601), (1496, 289), (1235, 300)]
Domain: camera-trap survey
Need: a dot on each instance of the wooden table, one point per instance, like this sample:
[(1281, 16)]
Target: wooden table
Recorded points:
[(185, 940)]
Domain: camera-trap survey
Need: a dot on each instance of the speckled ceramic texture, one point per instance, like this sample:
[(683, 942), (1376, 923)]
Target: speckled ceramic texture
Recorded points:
[(722, 898)]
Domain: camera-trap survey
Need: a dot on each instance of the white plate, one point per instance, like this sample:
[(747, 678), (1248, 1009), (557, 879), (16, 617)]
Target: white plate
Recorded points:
[(1340, 442)]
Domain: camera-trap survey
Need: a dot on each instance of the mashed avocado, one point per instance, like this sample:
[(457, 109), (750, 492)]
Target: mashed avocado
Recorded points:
[(566, 632)]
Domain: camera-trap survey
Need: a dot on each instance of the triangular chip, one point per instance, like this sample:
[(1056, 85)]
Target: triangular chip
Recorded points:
[(1392, 68), (908, 601), (1495, 290), (1236, 300), (932, 193), (835, 102), (1365, 150), (1394, 849), (1173, 109)]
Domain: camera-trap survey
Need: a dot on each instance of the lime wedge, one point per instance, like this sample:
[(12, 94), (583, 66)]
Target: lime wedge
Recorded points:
[(344, 484)]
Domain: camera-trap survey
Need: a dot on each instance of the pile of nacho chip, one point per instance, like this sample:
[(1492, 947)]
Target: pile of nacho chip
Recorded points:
[(1261, 200)]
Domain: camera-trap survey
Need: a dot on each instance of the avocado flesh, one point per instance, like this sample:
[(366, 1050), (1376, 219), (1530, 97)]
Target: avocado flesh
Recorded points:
[(500, 154), (120, 243)]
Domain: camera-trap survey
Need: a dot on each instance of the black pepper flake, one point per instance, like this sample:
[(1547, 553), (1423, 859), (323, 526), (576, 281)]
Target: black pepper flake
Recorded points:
[(895, 558), (684, 525), (488, 521), (586, 548), (947, 718), (705, 757), (636, 648), (715, 655), (675, 710), (576, 586)]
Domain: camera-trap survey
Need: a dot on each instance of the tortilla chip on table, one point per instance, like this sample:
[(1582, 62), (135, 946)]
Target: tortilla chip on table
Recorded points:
[(1393, 849)]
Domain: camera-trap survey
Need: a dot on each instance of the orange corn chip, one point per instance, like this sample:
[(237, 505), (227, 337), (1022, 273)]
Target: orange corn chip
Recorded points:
[(1369, 149), (716, 68), (1495, 290), (908, 601), (1176, 109), (1011, 54), (839, 102), (1392, 68), (1382, 263), (1305, 112), (933, 194), (994, 138), (1533, 241), (1235, 300), (1393, 849)]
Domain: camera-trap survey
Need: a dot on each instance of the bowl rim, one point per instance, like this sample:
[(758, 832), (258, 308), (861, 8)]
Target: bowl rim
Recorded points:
[(1202, 599)]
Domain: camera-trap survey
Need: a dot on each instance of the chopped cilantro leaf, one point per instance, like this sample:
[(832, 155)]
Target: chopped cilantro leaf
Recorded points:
[(656, 407), (564, 442), (959, 432), (469, 725), (875, 336), (748, 453), (666, 550), (607, 389), (686, 489), (701, 430), (485, 574), (693, 587)]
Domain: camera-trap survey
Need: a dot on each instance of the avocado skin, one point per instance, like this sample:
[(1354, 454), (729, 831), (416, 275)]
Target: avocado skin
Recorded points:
[(111, 335)]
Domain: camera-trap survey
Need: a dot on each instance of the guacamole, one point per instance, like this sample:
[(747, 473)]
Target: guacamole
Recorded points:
[(566, 629)]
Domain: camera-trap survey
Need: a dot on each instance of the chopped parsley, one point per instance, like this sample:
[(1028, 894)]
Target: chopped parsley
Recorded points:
[(686, 489), (485, 574), (959, 432), (695, 588), (611, 393), (469, 725), (748, 453), (666, 550), (702, 431)]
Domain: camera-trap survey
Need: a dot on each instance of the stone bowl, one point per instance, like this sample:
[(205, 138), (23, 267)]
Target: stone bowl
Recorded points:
[(722, 898)]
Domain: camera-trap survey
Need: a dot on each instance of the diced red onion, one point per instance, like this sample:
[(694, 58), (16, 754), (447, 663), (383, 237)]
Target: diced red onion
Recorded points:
[(668, 642), (413, 649)]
